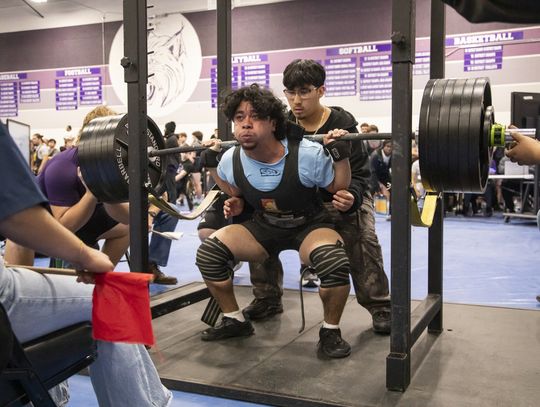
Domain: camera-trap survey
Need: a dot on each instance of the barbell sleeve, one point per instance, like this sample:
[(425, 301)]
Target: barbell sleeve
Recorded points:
[(499, 135)]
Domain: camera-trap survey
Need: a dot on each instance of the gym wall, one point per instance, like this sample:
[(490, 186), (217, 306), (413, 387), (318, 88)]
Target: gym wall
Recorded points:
[(269, 36)]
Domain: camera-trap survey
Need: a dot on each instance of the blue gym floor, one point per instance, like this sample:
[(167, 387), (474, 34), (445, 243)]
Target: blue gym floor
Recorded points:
[(486, 262)]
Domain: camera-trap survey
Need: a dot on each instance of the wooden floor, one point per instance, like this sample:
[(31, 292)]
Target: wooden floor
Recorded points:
[(486, 356)]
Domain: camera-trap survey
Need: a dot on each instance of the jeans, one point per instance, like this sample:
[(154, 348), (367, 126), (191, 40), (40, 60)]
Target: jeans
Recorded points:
[(160, 247), (122, 375)]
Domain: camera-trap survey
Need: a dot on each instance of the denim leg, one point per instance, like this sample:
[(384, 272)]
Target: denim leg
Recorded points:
[(160, 248), (39, 304), (115, 388)]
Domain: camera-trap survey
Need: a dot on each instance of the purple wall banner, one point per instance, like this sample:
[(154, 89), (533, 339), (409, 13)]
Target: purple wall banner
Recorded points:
[(78, 86), (78, 72), (66, 93), (340, 76), (247, 69), (358, 49), (483, 58), (29, 92), (480, 39), (421, 63), (376, 76), (16, 89), (90, 90), (9, 106)]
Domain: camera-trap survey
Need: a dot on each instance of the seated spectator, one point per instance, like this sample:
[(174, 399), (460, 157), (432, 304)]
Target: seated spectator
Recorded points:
[(76, 207), (372, 145), (37, 304)]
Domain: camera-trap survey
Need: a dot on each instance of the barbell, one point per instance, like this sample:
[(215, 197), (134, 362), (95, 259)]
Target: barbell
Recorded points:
[(455, 133)]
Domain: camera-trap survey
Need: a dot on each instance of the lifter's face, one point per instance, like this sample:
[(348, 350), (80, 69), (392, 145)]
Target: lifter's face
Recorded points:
[(249, 129), (305, 103)]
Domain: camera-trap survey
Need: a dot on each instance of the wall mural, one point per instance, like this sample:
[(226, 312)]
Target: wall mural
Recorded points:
[(175, 64)]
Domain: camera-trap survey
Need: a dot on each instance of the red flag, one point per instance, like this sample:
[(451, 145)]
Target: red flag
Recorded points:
[(121, 308)]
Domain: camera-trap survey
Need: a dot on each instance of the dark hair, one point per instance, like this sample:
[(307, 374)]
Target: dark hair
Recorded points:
[(265, 104), (386, 142), (364, 124), (170, 127), (373, 127), (198, 135), (301, 72)]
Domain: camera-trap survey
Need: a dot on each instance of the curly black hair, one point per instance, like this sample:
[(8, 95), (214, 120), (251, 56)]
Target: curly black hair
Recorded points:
[(264, 103)]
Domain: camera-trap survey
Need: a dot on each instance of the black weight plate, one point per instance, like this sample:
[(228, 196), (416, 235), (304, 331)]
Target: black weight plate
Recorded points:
[(121, 146), (154, 140), (479, 146), (102, 159), (485, 153), (89, 155), (157, 166), (446, 161), (107, 167), (460, 166), (433, 129), (424, 141), (469, 157)]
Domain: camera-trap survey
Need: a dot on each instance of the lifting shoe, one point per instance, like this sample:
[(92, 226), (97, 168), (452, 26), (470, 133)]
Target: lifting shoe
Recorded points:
[(262, 308), (332, 345), (227, 328)]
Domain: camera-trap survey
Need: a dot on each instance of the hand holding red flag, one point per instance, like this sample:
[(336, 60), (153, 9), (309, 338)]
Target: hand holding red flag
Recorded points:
[(121, 308)]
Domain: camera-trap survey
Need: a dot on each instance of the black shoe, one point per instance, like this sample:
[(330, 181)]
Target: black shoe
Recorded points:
[(332, 345), (382, 320), (227, 328), (262, 308), (160, 277), (538, 298)]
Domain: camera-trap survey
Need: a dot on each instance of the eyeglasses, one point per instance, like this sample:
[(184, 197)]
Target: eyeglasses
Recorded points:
[(239, 118), (303, 93)]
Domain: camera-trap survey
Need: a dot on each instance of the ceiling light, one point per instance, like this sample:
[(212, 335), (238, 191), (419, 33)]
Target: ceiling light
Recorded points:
[(38, 1)]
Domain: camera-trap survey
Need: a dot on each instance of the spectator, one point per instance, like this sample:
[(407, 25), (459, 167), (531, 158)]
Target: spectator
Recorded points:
[(39, 150), (123, 374), (381, 169)]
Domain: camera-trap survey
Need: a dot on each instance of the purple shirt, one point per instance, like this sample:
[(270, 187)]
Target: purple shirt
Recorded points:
[(59, 180)]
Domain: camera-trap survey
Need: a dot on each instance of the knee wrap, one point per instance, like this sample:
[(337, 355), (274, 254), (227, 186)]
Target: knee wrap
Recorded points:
[(213, 259), (331, 264)]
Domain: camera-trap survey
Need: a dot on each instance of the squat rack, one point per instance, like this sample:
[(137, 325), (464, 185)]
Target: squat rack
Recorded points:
[(407, 325)]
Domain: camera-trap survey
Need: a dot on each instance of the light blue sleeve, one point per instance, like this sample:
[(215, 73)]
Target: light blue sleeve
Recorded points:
[(225, 167), (315, 167)]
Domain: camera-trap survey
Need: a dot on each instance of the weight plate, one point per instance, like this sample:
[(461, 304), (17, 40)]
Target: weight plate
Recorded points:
[(433, 129), (445, 160), (424, 140), (459, 159), (89, 155)]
